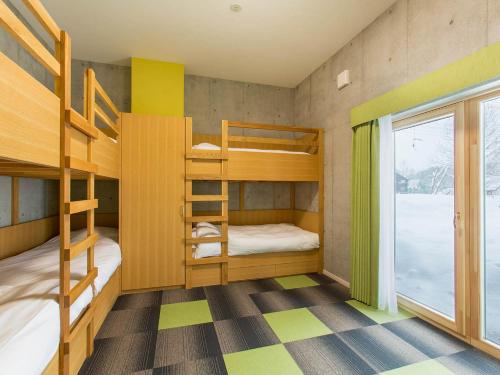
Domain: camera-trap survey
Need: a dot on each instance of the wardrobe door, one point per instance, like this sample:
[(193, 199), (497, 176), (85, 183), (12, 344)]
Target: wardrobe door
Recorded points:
[(152, 198)]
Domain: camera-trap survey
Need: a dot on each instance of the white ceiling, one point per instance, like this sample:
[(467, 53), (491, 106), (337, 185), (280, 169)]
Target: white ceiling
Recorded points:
[(276, 42)]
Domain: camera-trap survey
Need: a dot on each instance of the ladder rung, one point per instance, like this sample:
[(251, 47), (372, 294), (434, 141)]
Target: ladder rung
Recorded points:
[(79, 288), (199, 219), (206, 177), (195, 241), (80, 206), (75, 249), (79, 122), (208, 155), (80, 165), (207, 198), (83, 322), (209, 260)]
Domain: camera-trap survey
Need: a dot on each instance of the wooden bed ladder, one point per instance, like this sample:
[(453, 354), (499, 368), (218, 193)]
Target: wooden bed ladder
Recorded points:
[(222, 158), (73, 121)]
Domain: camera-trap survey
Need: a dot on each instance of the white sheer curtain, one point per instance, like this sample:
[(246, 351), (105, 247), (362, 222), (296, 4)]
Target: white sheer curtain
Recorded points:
[(386, 275)]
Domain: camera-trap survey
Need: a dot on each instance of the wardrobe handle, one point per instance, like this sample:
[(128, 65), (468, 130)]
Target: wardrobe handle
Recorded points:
[(182, 210)]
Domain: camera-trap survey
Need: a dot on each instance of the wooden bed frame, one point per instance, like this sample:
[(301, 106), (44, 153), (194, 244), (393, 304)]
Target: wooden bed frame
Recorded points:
[(43, 137), (227, 165)]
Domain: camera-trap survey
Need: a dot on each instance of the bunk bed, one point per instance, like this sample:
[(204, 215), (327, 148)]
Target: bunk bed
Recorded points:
[(224, 252), (42, 136)]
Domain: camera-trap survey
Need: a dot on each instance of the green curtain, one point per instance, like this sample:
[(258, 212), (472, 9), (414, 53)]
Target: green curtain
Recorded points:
[(365, 213)]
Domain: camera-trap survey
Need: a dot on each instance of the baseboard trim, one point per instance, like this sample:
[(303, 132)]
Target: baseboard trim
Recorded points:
[(338, 279)]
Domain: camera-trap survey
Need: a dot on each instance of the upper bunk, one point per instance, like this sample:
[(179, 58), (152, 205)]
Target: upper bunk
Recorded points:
[(255, 152), (30, 112)]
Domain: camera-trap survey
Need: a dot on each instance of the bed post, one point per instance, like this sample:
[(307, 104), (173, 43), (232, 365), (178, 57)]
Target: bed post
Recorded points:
[(72, 121), (225, 203), (64, 87), (321, 199), (188, 210)]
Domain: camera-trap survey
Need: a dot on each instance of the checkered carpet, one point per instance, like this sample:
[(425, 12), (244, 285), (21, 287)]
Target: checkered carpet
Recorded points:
[(289, 325)]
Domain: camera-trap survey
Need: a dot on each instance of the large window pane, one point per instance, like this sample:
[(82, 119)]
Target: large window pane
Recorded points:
[(490, 113), (424, 159)]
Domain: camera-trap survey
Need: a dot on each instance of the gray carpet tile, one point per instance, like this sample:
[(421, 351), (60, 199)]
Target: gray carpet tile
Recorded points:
[(245, 333), (206, 366), (121, 355), (255, 286), (471, 362), (300, 297), (426, 338), (185, 344), (327, 355), (182, 295), (125, 322), (320, 279), (341, 317), (138, 300), (380, 348), (229, 303)]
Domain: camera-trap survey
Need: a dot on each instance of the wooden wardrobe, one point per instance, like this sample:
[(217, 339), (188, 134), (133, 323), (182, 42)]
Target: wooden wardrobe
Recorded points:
[(152, 201)]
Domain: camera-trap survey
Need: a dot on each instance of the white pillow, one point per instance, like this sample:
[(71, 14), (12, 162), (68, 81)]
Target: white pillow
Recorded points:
[(205, 224), (206, 231)]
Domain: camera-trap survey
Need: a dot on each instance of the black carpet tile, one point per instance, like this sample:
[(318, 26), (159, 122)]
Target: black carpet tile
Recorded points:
[(341, 317), (229, 303), (138, 300), (125, 322), (297, 298), (236, 335), (426, 338), (206, 366), (327, 355), (380, 348), (471, 362), (182, 295), (122, 355), (185, 344)]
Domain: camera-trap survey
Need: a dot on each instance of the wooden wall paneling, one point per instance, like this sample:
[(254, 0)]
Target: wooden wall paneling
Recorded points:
[(153, 169)]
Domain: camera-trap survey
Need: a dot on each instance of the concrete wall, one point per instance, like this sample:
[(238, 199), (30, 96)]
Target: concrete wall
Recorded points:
[(412, 38), (209, 101)]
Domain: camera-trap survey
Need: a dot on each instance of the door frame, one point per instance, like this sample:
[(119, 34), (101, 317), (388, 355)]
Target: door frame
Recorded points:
[(457, 326)]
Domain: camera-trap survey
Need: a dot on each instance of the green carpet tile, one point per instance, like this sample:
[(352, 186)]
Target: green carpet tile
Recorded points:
[(304, 324)]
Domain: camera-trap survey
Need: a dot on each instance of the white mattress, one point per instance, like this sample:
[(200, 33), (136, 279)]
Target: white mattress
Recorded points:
[(29, 311), (210, 146), (255, 239)]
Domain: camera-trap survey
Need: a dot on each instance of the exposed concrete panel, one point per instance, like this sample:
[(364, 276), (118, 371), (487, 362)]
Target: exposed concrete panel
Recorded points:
[(306, 196), (493, 21), (234, 196), (440, 32), (302, 103), (197, 103), (5, 201), (384, 51), (37, 199), (114, 79), (259, 195)]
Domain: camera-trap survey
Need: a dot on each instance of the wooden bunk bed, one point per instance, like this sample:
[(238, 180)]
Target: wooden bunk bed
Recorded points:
[(43, 137), (251, 158)]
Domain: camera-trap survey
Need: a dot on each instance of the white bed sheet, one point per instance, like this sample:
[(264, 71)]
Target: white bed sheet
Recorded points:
[(29, 311), (256, 239), (210, 146)]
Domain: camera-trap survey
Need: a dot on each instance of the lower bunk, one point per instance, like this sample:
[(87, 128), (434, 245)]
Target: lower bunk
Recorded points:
[(254, 252), (29, 309)]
